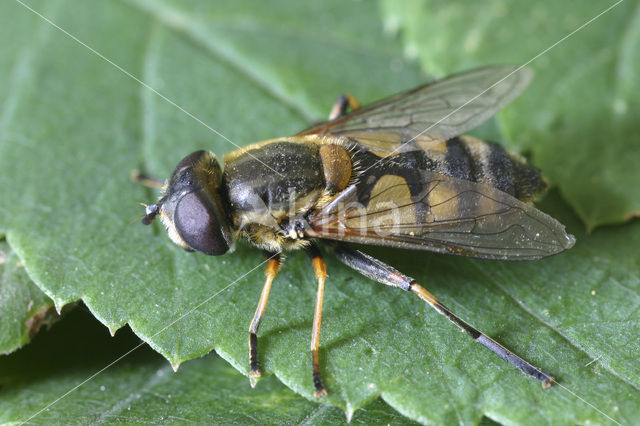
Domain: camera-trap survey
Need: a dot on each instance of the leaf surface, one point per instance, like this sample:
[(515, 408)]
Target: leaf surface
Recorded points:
[(72, 127), (24, 308), (142, 388)]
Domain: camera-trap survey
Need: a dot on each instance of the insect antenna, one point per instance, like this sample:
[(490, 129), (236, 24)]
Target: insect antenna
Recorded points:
[(149, 182), (150, 214)]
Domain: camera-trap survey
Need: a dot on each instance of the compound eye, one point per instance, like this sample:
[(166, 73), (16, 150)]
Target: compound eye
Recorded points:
[(197, 225)]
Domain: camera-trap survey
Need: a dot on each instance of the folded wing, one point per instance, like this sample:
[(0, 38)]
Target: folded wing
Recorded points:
[(449, 216), (440, 110)]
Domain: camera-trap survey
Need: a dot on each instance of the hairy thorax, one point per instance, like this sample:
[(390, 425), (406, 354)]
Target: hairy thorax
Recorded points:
[(273, 184)]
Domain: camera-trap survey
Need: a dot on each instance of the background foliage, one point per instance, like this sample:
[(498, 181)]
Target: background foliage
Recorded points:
[(72, 127)]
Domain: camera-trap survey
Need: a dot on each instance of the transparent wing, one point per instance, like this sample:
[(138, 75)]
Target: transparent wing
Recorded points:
[(448, 215), (439, 110)]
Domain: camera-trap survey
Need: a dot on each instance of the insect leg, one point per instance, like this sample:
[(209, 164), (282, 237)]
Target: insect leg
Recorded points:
[(340, 107), (273, 265), (320, 270), (149, 182), (385, 274)]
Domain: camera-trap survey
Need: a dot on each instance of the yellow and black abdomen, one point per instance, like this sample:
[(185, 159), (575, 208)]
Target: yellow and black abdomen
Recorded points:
[(472, 159), (462, 196), (462, 157)]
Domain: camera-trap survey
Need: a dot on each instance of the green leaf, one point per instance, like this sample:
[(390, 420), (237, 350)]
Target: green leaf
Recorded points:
[(72, 127), (577, 117), (142, 388), (24, 308)]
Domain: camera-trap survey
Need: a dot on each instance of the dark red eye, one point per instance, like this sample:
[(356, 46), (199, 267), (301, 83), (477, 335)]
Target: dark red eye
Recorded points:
[(196, 223)]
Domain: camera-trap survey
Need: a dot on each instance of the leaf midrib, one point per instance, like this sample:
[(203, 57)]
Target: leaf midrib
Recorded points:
[(217, 52)]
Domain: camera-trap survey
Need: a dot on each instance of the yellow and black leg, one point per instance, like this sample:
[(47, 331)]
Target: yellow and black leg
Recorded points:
[(340, 107), (273, 266), (320, 271), (385, 274)]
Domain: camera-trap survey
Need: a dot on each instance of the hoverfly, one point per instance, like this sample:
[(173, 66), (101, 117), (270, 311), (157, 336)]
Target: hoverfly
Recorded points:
[(398, 173)]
